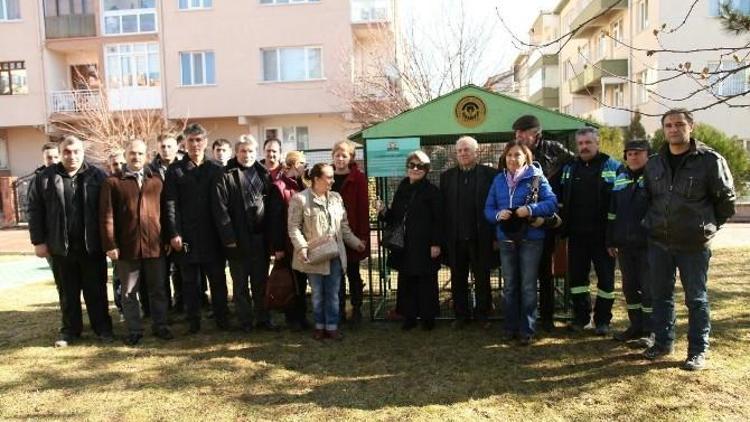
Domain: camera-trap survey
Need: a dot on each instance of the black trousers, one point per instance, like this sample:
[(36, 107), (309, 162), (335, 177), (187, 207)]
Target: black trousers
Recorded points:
[(636, 287), (133, 273), (76, 274), (468, 258), (172, 273), (583, 250), (356, 287), (417, 296), (255, 267), (546, 281), (192, 290)]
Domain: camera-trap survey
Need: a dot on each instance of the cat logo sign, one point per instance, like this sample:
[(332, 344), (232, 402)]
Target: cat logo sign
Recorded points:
[(470, 111)]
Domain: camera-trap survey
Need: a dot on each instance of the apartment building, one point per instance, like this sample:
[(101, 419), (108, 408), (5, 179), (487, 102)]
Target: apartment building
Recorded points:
[(266, 67), (599, 72)]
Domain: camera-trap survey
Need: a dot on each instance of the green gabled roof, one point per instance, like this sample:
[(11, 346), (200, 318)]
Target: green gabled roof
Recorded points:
[(436, 117)]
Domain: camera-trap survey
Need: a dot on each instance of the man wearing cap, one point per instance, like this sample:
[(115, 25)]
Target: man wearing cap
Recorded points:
[(552, 156), (691, 195), (586, 188), (627, 240)]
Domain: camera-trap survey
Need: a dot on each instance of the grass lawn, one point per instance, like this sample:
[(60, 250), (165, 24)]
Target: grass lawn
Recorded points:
[(377, 372)]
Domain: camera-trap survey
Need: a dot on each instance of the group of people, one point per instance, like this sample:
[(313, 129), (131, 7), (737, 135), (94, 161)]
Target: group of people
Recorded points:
[(196, 214)]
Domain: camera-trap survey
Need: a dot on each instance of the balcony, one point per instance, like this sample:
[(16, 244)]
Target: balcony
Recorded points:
[(78, 101), (70, 26), (611, 117), (82, 101), (592, 76), (546, 97), (596, 8)]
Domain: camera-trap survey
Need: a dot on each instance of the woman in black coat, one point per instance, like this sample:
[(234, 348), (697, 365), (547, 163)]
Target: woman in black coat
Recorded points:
[(417, 203)]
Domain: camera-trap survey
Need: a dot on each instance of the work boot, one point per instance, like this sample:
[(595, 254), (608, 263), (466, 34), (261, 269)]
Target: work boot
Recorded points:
[(631, 333)]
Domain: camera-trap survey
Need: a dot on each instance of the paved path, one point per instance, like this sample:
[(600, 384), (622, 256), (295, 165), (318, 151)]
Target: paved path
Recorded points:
[(22, 271)]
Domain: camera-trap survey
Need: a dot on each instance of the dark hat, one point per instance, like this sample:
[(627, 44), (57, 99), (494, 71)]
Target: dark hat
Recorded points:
[(637, 145), (526, 122)]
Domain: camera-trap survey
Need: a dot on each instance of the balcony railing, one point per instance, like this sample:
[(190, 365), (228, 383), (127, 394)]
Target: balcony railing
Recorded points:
[(366, 11), (75, 101), (593, 75), (611, 117), (70, 26), (596, 8)]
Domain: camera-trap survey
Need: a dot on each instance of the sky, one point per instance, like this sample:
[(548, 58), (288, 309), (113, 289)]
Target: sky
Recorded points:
[(500, 52)]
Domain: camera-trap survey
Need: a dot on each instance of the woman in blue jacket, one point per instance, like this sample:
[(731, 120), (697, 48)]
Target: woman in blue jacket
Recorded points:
[(519, 196)]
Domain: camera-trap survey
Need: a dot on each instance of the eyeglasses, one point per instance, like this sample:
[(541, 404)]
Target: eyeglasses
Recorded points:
[(417, 166)]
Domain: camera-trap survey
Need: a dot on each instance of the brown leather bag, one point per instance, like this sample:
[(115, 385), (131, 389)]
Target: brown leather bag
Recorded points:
[(281, 288)]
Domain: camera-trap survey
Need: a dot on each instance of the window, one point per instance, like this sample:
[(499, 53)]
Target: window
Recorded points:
[(287, 1), (272, 133), (129, 16), (714, 6), (615, 30), (535, 81), (295, 138), (292, 64), (68, 7), (13, 79), (618, 96), (602, 53), (641, 79), (370, 10), (3, 154), (197, 68), (642, 15), (732, 83), (133, 65), (194, 4), (10, 10)]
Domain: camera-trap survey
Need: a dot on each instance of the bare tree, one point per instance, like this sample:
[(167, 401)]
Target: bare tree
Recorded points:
[(731, 62)]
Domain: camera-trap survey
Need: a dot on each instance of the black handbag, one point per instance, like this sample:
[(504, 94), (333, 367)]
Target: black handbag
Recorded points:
[(394, 236)]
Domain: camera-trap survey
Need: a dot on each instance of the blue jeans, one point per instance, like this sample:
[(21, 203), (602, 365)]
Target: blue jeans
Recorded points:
[(693, 268), (520, 266), (325, 297)]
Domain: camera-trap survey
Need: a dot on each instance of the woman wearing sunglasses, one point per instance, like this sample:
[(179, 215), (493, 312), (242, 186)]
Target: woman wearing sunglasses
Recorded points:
[(416, 205)]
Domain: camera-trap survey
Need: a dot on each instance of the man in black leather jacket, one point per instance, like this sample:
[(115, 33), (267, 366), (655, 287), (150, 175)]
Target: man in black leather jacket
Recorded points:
[(691, 194), (64, 225)]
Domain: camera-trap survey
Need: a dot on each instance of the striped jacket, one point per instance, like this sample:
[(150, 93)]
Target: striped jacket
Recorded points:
[(627, 208), (607, 175)]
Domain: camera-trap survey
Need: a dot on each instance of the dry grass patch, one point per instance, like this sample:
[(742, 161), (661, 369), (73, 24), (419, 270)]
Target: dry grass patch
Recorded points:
[(377, 372)]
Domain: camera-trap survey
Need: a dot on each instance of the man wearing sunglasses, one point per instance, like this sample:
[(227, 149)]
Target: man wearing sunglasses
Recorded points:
[(552, 156), (469, 237)]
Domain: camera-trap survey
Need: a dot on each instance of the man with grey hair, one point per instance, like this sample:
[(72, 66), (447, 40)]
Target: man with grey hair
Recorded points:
[(64, 224), (246, 209), (130, 218), (469, 237), (586, 185)]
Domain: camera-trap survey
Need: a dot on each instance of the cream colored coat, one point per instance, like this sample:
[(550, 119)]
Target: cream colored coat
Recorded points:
[(309, 222)]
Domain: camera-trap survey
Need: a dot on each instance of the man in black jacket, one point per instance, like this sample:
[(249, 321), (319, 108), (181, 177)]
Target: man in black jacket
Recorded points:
[(692, 195), (469, 237), (552, 156), (246, 211), (189, 188), (167, 155), (64, 224), (627, 240)]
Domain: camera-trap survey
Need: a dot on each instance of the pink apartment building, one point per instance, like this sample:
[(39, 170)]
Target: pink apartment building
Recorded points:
[(272, 68)]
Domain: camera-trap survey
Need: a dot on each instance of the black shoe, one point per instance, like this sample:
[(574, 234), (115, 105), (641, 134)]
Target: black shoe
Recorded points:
[(508, 336), (164, 333), (547, 326), (356, 316), (631, 333), (267, 326), (106, 338), (657, 352), (601, 330), (64, 340), (428, 324), (408, 324), (695, 362), (526, 340), (133, 339), (195, 327), (304, 324), (575, 328)]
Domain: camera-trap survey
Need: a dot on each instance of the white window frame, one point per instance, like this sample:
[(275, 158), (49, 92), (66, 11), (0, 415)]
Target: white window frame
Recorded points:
[(602, 45), (618, 95), (192, 68), (11, 66), (4, 7), (615, 30), (132, 55), (119, 14), (4, 162), (190, 6), (732, 85), (279, 133), (286, 2), (642, 15), (278, 64), (642, 95), (297, 146)]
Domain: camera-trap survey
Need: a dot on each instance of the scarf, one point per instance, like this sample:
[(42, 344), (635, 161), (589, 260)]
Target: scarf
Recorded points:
[(512, 177)]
